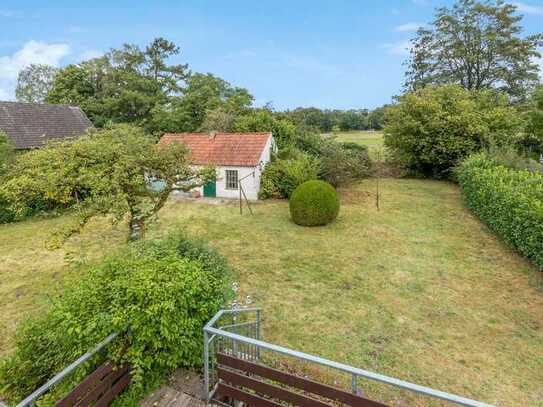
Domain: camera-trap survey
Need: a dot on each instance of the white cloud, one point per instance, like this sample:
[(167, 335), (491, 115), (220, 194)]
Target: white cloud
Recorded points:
[(402, 47), (91, 54), (409, 27), (529, 9), (32, 52)]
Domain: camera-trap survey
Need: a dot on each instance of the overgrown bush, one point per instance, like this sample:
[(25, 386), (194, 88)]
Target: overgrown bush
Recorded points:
[(509, 201), (158, 293), (432, 129), (510, 157), (283, 175), (314, 203), (6, 215), (7, 156), (343, 163), (532, 139)]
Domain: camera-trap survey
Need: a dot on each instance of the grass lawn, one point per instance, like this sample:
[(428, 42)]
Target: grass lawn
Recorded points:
[(420, 290), (372, 139)]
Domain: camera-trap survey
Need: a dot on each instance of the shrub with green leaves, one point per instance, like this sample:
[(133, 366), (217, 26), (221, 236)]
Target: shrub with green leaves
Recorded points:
[(532, 139), (159, 293), (509, 201), (314, 203), (431, 130), (343, 163), (283, 175)]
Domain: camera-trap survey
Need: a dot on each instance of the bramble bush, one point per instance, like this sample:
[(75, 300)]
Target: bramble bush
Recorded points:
[(509, 201), (343, 163), (160, 293), (314, 203)]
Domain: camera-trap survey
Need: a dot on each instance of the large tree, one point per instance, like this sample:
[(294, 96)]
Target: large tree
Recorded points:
[(109, 172), (477, 45), (123, 86), (34, 82), (430, 130), (203, 93)]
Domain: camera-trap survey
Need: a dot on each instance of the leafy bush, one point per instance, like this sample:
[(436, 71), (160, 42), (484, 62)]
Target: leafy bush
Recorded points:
[(283, 175), (343, 163), (510, 157), (432, 129), (510, 202), (532, 140), (162, 291), (314, 203), (6, 215)]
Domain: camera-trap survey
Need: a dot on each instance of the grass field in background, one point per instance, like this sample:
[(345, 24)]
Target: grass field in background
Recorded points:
[(420, 290), (372, 139)]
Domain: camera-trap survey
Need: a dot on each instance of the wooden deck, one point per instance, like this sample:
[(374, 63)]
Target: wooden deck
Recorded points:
[(169, 397), (184, 389)]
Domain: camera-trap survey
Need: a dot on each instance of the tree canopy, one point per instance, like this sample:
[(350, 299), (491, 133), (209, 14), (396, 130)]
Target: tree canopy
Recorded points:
[(123, 86), (477, 45), (34, 83), (108, 172), (430, 130)]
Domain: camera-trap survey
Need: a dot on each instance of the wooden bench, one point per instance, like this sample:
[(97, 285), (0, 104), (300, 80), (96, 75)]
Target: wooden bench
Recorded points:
[(99, 388), (237, 381)]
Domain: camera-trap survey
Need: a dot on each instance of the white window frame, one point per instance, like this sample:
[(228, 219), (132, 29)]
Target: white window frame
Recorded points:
[(228, 181)]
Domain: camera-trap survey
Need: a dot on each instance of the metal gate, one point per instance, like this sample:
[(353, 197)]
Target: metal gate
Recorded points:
[(236, 333)]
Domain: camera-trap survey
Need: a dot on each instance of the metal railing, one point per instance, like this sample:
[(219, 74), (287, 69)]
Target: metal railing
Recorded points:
[(31, 399), (241, 337)]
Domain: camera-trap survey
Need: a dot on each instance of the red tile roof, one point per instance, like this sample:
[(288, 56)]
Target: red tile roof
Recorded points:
[(242, 149)]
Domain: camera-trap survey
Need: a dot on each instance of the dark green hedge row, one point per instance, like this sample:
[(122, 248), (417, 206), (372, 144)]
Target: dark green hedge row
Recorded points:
[(509, 201)]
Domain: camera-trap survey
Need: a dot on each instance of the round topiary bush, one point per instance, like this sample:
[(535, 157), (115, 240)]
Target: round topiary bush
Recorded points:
[(314, 203)]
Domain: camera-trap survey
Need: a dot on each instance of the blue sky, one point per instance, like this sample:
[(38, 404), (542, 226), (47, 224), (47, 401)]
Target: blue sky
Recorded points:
[(329, 54)]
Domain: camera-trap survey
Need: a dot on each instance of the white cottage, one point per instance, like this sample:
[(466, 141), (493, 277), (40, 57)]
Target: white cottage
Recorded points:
[(238, 158)]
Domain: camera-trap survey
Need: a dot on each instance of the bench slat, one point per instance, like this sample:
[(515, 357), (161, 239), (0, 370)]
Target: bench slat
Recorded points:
[(240, 395), (86, 385), (301, 383), (275, 392), (103, 387), (109, 395)]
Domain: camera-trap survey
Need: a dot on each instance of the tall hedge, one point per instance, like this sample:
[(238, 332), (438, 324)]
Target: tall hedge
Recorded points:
[(509, 201)]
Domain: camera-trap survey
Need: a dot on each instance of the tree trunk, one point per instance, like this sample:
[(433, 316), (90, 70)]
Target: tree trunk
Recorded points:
[(136, 229)]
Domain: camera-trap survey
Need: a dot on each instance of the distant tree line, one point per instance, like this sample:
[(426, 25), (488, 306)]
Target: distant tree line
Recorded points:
[(327, 120), (139, 86)]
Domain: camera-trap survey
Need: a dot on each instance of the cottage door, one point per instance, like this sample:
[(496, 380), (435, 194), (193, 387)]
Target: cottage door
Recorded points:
[(210, 189)]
